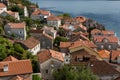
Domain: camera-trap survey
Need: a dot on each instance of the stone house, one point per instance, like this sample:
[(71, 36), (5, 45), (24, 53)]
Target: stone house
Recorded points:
[(40, 14), (64, 46), (112, 56), (11, 13), (50, 31), (18, 30), (2, 8), (11, 68), (106, 42), (104, 70), (32, 45), (88, 57), (49, 60), (54, 21), (97, 32), (46, 40)]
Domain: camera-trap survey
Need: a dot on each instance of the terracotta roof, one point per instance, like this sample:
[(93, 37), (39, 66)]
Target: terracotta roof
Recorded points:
[(80, 19), (117, 78), (109, 38), (16, 67), (104, 54), (115, 54), (39, 11), (2, 5), (104, 32), (11, 13), (10, 58), (36, 31), (102, 68), (77, 44), (51, 29), (31, 42), (53, 18), (78, 36), (19, 78), (48, 36), (47, 54), (17, 25)]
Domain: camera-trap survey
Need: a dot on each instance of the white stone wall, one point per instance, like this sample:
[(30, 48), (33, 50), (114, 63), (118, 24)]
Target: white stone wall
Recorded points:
[(54, 23), (3, 9), (19, 33), (35, 50)]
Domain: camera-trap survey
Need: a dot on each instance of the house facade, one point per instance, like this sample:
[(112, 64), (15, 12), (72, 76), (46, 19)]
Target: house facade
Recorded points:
[(3, 7), (39, 14), (49, 60), (18, 30), (106, 42), (88, 57), (50, 31), (54, 21), (46, 40), (11, 67), (32, 45), (11, 13)]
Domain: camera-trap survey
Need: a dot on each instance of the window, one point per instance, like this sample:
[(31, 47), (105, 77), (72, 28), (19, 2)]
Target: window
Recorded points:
[(46, 71), (102, 46), (109, 46)]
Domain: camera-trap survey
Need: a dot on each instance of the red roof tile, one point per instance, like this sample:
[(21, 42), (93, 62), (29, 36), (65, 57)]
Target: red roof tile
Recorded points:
[(39, 11), (17, 25), (80, 19), (109, 38), (53, 18), (10, 58), (47, 54), (104, 54), (102, 68), (2, 5), (104, 32), (16, 67), (77, 44), (31, 42)]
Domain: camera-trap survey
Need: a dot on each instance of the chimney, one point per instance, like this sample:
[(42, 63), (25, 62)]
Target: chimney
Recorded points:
[(5, 68)]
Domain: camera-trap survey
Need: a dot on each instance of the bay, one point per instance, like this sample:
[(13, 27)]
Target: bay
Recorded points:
[(104, 11)]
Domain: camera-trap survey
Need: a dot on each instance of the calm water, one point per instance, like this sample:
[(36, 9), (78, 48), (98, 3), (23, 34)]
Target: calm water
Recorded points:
[(105, 12)]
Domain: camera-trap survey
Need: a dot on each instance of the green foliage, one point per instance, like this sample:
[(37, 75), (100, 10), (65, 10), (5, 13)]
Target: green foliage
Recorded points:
[(28, 21), (68, 72), (59, 39), (16, 8), (7, 48), (1, 30), (65, 15), (18, 48), (36, 77)]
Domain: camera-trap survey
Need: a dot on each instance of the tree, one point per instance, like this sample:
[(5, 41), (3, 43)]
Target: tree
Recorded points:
[(68, 72), (59, 39), (36, 77)]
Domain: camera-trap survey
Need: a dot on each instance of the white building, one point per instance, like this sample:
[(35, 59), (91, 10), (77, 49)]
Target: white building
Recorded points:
[(11, 13), (2, 8), (40, 14), (16, 29), (50, 31), (54, 21), (32, 45)]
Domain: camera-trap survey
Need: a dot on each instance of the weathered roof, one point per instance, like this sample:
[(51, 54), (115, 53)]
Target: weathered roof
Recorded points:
[(17, 25), (47, 54), (15, 67), (31, 42)]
